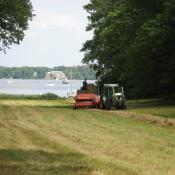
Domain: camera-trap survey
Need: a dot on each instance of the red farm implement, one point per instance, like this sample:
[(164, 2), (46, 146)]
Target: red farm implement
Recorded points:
[(88, 98)]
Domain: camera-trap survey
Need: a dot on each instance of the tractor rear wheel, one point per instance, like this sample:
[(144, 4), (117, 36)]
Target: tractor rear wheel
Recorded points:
[(108, 105)]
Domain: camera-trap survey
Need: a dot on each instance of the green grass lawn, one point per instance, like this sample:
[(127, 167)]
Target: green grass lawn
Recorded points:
[(49, 137)]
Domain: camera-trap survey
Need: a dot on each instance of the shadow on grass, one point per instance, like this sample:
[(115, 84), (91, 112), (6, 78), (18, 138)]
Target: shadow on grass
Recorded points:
[(56, 106), (71, 106), (148, 103), (20, 162)]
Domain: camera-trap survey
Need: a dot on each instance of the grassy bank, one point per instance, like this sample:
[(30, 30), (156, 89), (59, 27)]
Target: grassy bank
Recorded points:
[(157, 107), (41, 137), (47, 96)]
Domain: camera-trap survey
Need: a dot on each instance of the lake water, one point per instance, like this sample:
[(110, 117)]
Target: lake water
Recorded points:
[(38, 87)]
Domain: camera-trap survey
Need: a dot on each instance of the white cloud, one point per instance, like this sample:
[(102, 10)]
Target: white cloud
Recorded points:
[(49, 20)]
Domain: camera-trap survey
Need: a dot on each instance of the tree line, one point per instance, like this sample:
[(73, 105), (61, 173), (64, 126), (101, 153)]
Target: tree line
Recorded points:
[(133, 44), (76, 72)]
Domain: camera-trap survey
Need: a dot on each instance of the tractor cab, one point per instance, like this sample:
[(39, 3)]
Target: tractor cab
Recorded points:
[(113, 96)]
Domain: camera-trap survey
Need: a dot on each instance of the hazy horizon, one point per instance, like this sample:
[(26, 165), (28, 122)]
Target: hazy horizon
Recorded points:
[(44, 66)]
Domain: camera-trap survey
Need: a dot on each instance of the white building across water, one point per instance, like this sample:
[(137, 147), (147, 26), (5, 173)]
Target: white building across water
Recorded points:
[(55, 75)]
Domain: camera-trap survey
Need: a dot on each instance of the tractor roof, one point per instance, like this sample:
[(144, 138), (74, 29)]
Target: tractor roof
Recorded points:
[(111, 85)]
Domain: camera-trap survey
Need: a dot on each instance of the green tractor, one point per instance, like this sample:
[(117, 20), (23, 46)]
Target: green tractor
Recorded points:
[(113, 96)]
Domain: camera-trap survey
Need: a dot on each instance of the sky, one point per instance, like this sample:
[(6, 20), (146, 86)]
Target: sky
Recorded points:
[(54, 38)]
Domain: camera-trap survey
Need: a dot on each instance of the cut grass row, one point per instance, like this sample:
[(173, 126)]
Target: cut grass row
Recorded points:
[(49, 137)]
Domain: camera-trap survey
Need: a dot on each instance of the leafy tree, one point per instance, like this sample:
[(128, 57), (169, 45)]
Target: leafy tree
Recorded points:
[(133, 44), (14, 18)]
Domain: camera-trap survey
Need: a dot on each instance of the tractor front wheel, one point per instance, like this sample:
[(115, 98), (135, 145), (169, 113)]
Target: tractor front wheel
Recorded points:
[(123, 105), (102, 106)]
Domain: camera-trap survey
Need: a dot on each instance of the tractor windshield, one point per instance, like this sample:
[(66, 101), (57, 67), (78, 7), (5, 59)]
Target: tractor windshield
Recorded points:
[(117, 89), (108, 91)]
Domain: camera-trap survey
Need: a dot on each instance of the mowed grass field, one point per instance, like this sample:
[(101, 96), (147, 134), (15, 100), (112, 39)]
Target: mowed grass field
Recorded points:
[(49, 137)]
